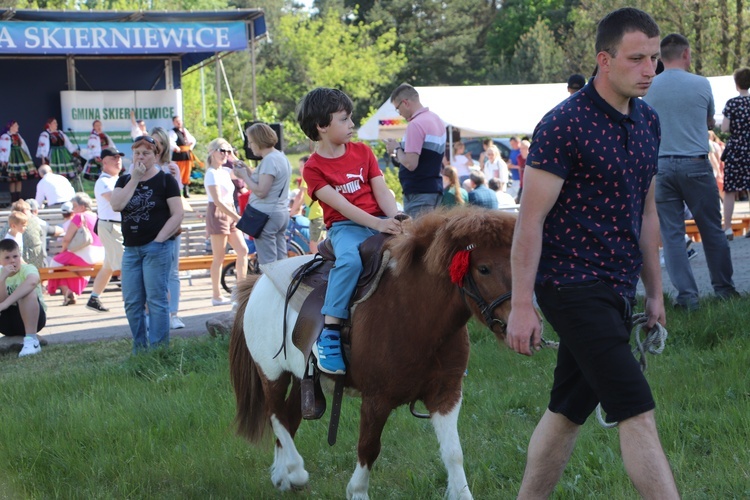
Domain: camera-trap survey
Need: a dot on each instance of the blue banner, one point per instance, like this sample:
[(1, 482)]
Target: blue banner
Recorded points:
[(120, 38)]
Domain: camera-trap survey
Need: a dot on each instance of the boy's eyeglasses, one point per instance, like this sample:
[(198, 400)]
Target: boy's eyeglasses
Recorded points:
[(146, 138)]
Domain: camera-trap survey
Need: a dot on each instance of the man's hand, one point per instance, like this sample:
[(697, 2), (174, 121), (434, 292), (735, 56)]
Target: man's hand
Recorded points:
[(524, 330), (654, 309), (391, 145)]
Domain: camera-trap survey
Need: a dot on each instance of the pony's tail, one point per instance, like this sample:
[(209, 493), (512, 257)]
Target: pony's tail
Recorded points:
[(251, 420)]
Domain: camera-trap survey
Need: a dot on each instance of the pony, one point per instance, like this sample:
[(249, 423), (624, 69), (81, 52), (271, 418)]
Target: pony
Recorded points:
[(409, 342)]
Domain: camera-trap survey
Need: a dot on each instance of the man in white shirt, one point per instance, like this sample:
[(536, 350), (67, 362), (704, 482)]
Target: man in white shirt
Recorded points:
[(54, 188), (108, 227)]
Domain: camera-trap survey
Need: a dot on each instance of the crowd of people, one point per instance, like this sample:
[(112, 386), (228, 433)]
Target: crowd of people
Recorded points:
[(136, 227)]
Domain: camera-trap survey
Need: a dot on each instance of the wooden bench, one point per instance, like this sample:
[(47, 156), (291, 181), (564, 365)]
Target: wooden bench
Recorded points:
[(740, 227), (191, 263)]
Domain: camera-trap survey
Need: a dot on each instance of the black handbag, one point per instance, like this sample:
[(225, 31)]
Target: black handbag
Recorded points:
[(252, 221)]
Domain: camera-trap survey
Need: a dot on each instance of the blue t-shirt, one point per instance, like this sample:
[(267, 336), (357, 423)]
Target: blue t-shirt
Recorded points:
[(607, 160)]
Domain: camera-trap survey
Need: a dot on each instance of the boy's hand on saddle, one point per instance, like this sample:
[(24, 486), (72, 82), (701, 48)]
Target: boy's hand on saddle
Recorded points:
[(389, 226)]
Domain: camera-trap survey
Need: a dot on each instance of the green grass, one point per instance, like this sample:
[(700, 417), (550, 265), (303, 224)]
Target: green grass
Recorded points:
[(91, 421)]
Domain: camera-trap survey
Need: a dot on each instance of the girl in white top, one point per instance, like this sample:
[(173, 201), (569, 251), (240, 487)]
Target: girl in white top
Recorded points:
[(461, 162), (221, 216), (495, 167)]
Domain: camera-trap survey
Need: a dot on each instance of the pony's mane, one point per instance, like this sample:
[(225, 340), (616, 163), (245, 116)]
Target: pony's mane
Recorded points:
[(435, 237)]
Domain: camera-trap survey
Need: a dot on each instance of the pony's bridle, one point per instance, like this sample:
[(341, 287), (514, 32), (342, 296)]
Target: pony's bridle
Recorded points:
[(461, 276), (470, 289)]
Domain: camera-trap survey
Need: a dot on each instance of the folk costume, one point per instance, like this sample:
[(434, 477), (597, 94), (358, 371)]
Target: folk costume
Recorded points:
[(97, 142), (15, 159), (180, 138), (57, 151)]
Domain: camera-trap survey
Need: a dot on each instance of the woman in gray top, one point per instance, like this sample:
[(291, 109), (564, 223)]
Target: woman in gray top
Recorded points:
[(269, 184)]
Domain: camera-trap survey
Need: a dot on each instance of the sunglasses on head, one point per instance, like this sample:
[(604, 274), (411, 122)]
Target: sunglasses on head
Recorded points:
[(146, 138)]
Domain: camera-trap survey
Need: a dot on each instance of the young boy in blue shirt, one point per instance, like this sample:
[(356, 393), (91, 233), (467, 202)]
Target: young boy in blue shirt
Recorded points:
[(345, 178)]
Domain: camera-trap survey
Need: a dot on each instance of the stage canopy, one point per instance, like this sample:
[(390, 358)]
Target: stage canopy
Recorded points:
[(44, 52)]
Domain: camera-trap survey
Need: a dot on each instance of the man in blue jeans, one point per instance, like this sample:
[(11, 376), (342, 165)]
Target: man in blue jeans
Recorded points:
[(685, 105), (587, 227)]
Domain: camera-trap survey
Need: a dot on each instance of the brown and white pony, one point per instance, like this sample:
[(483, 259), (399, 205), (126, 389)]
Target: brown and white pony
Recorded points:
[(409, 342)]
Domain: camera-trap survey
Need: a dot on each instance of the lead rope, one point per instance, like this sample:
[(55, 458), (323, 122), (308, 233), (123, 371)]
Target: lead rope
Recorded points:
[(653, 344)]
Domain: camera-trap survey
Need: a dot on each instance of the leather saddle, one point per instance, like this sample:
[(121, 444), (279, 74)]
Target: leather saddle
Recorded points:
[(314, 275)]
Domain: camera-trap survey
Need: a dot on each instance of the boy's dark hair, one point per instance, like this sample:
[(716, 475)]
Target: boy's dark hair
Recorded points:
[(742, 78), (614, 25), (672, 46), (317, 107), (494, 184), (8, 245)]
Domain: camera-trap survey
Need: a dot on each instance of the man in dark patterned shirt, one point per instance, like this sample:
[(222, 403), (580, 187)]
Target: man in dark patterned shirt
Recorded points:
[(587, 228)]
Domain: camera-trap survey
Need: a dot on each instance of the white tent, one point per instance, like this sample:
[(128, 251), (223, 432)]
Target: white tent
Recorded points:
[(497, 110)]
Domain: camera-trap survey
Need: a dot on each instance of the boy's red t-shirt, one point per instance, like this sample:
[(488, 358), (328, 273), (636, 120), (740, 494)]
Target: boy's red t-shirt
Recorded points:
[(348, 174)]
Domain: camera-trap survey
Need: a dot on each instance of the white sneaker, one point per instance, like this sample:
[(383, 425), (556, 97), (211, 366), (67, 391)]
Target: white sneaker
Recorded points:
[(221, 301), (176, 323), (30, 346)]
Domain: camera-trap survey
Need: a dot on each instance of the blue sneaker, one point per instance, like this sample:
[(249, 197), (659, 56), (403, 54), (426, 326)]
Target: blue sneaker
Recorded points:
[(328, 353)]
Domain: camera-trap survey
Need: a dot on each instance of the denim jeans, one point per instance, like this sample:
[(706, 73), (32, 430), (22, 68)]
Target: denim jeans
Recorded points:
[(346, 236), (145, 271), (271, 244), (419, 203), (173, 282), (691, 180)]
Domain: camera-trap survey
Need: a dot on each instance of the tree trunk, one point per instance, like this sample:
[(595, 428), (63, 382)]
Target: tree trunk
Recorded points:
[(738, 55), (697, 51), (725, 38)]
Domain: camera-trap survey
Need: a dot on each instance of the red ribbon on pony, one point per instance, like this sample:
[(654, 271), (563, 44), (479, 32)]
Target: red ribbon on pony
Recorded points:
[(460, 265)]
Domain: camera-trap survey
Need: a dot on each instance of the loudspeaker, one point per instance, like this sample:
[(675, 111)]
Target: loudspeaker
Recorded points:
[(277, 127)]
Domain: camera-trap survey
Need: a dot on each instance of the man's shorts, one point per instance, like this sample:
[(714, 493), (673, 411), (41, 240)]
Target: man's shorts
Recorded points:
[(595, 362), (110, 234), (317, 229), (11, 323)]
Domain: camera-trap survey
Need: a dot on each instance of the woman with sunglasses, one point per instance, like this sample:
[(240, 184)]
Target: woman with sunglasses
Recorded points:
[(221, 216), (152, 213)]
